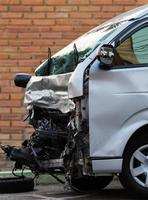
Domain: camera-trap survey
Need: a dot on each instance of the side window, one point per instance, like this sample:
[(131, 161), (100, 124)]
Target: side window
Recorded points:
[(133, 50)]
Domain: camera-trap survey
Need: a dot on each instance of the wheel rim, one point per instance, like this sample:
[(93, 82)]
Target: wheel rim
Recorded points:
[(139, 166)]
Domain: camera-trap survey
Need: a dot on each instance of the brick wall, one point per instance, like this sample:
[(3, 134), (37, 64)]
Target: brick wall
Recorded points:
[(27, 29)]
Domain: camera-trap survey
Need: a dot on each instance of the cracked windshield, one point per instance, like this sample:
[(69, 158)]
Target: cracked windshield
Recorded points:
[(67, 59)]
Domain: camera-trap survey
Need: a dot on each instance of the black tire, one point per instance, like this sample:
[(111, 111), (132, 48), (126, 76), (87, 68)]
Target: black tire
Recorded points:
[(87, 183), (16, 184), (130, 178)]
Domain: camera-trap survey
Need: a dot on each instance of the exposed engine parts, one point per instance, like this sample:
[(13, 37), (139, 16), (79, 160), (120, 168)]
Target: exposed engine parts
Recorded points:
[(46, 143), (59, 141)]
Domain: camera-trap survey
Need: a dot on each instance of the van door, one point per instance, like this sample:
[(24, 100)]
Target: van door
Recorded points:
[(119, 97)]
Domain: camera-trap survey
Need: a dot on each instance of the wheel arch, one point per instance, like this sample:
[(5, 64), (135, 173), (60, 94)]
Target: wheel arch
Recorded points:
[(138, 133)]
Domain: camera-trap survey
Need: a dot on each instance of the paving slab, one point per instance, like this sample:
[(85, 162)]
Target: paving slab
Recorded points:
[(56, 192)]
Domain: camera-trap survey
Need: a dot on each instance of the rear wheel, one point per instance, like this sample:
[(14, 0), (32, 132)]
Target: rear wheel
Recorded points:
[(87, 183), (16, 184), (134, 176)]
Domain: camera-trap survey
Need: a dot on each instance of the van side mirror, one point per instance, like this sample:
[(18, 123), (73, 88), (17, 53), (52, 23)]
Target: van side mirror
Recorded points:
[(21, 79), (106, 56)]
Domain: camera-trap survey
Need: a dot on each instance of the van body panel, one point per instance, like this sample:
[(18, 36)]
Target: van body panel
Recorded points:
[(121, 99), (108, 166)]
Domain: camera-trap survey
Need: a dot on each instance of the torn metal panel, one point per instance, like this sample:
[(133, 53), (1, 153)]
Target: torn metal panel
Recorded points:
[(49, 92)]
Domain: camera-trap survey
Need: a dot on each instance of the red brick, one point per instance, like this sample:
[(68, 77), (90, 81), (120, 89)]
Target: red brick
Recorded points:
[(66, 8), (19, 43), (4, 21), (57, 15), (6, 63), (11, 15), (8, 35), (125, 2), (21, 21), (40, 57), (20, 8), (62, 28), (42, 43), (3, 42), (11, 89), (16, 136), (4, 82), (4, 110), (18, 110), (16, 96), (31, 2), (34, 15), (18, 124), (71, 35), (4, 136), (9, 2), (5, 123), (126, 8), (6, 76), (4, 96), (45, 22), (28, 35), (90, 8), (10, 104), (28, 63), (29, 49), (68, 22), (10, 117), (26, 69), (3, 56), (51, 35), (20, 56), (42, 29), (8, 49), (82, 2), (142, 2), (4, 69), (113, 8), (62, 42), (11, 130), (106, 15), (83, 28), (3, 8), (42, 8), (89, 22), (17, 29), (102, 2), (80, 15), (57, 2)]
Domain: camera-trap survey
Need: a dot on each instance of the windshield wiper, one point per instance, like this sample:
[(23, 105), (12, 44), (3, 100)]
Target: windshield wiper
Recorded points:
[(49, 57), (76, 54)]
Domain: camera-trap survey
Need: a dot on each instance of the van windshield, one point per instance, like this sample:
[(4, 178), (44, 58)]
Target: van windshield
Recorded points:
[(65, 60)]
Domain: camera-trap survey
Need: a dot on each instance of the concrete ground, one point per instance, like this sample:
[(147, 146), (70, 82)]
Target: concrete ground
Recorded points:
[(56, 192)]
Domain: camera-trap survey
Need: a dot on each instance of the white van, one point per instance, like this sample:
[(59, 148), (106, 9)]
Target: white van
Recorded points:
[(106, 104)]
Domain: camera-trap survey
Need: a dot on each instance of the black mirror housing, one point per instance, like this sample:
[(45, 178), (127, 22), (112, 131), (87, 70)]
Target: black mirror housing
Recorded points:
[(21, 80), (106, 56)]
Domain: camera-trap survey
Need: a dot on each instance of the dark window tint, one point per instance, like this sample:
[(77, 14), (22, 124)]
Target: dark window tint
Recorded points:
[(133, 50)]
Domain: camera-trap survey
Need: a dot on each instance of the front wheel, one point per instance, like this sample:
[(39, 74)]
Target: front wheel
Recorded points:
[(134, 176), (90, 183), (16, 184)]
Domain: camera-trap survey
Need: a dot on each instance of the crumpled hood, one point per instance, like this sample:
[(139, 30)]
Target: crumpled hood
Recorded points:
[(49, 92)]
